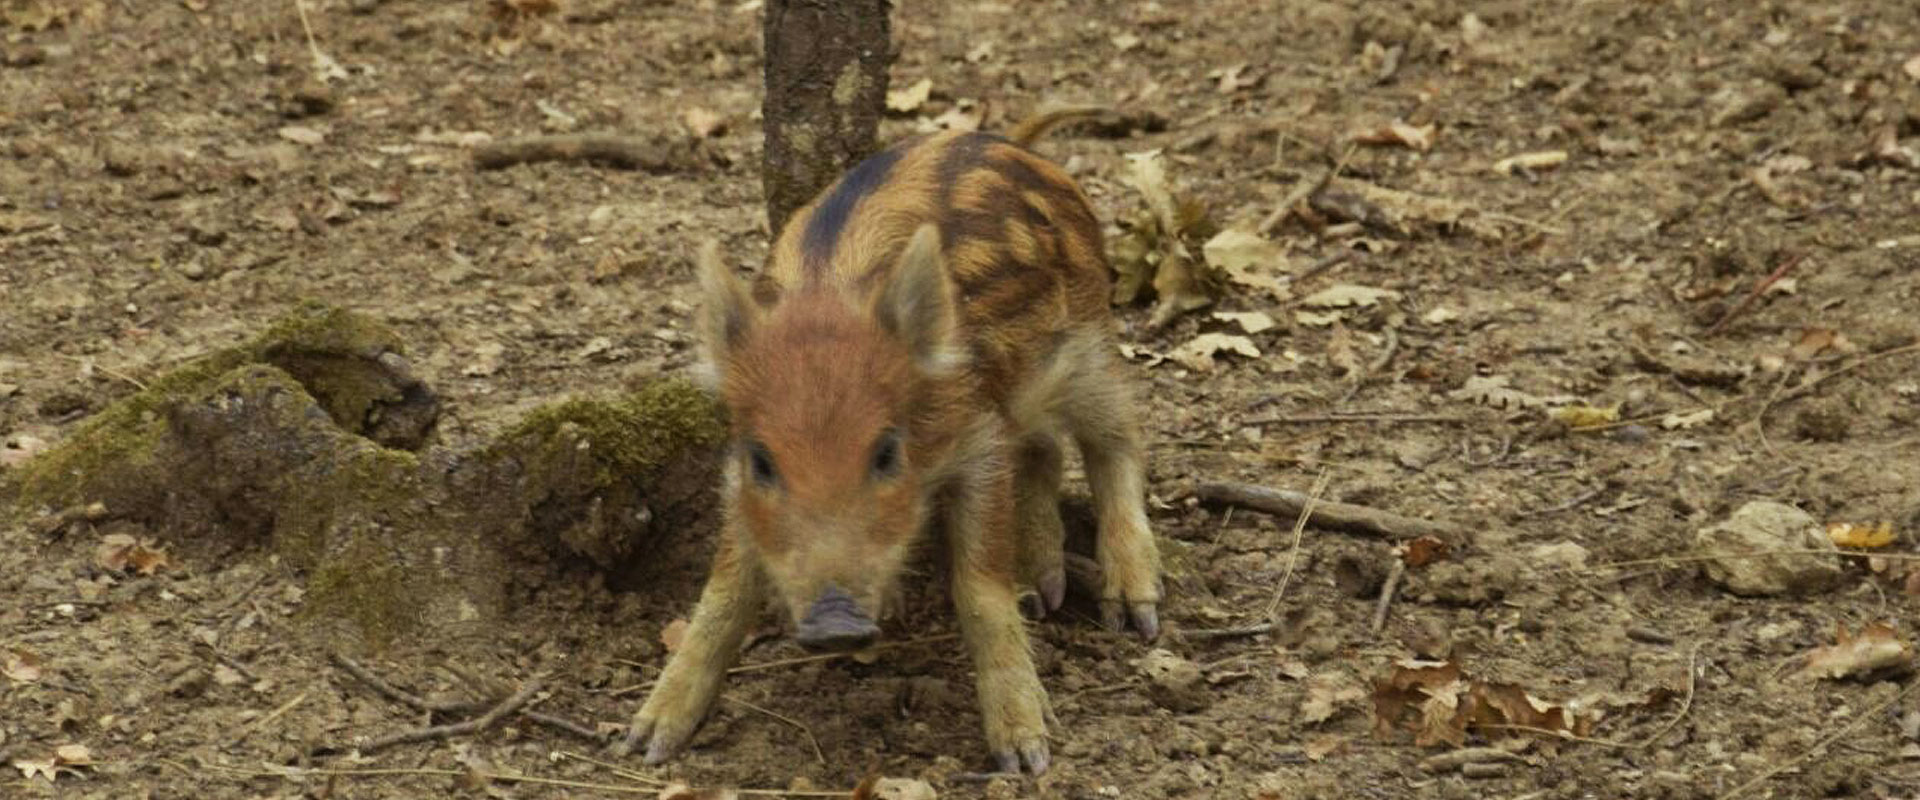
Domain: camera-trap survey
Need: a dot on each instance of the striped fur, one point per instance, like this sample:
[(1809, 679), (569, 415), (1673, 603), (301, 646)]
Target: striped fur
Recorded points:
[(948, 294)]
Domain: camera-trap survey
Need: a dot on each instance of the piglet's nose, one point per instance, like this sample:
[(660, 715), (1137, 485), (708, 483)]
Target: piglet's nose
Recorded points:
[(835, 623)]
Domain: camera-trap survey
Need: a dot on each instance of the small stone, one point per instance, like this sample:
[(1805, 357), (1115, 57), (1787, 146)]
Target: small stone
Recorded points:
[(1175, 683), (1763, 527), (189, 684), (1745, 103), (120, 160), (311, 98), (1824, 420), (193, 271)]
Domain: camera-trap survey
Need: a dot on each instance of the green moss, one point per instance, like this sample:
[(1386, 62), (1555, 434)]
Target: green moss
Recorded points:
[(367, 587), (366, 484), (629, 436), (312, 343)]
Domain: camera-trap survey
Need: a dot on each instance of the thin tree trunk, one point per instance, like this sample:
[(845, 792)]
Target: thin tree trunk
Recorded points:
[(826, 85)]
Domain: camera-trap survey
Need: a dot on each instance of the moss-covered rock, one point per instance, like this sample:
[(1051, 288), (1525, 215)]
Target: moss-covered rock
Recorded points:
[(293, 441), (351, 365)]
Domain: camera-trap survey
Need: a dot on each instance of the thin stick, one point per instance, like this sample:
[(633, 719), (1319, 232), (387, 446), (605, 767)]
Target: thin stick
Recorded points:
[(1861, 719), (249, 728), (788, 662), (817, 752), (562, 723), (1344, 517), (111, 372), (1387, 590), (1299, 530), (312, 45), (485, 721), (1685, 705), (1752, 296), (614, 768), (386, 689)]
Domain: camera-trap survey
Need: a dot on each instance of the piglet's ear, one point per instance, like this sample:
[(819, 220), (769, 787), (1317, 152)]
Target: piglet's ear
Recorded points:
[(727, 310), (915, 303)]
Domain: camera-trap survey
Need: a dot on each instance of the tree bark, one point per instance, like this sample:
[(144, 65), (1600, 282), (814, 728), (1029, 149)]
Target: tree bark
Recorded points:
[(826, 85)]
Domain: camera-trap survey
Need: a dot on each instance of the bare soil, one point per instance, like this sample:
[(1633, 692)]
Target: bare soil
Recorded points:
[(174, 175)]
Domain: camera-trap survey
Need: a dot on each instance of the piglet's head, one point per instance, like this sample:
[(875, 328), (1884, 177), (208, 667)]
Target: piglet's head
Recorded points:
[(824, 385)]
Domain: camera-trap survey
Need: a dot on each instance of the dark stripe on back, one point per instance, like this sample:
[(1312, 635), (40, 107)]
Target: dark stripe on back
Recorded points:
[(1025, 176), (830, 217), (963, 154)]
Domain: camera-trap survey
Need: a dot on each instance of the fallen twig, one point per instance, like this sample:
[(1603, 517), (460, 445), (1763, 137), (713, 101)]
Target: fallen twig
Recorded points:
[(448, 731), (1754, 295), (419, 703), (787, 662), (1387, 590), (396, 693), (248, 729), (1344, 517), (817, 752), (1685, 704), (1293, 553), (624, 152)]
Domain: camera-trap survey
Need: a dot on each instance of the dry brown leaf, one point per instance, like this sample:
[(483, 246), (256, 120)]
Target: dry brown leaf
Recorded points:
[(704, 123), (1492, 390), (1234, 78), (1198, 354), (1847, 534), (899, 789), (1249, 321), (911, 98), (119, 552), (1317, 748), (1247, 259), (301, 134), (1449, 704), (1677, 421), (1342, 356), (674, 633), (1530, 162), (1326, 692), (1877, 648), (75, 754), (1814, 341), (1423, 551), (1581, 415), (21, 667), (1399, 133), (1156, 247), (1346, 295)]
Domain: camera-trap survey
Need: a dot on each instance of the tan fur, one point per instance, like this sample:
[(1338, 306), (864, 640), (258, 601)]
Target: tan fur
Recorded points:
[(960, 305)]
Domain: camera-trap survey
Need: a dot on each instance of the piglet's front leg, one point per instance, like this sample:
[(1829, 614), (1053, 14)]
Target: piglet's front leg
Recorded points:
[(1013, 705), (691, 681)]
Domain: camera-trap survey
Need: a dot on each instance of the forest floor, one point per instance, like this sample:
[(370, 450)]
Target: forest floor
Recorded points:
[(175, 175)]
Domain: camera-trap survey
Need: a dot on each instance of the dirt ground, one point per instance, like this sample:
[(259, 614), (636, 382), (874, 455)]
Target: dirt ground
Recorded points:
[(175, 174)]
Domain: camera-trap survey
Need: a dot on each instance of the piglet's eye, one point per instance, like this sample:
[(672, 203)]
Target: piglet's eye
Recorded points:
[(760, 463), (886, 455)]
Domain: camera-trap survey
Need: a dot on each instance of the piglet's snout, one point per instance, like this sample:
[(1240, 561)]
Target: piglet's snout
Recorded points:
[(836, 623)]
